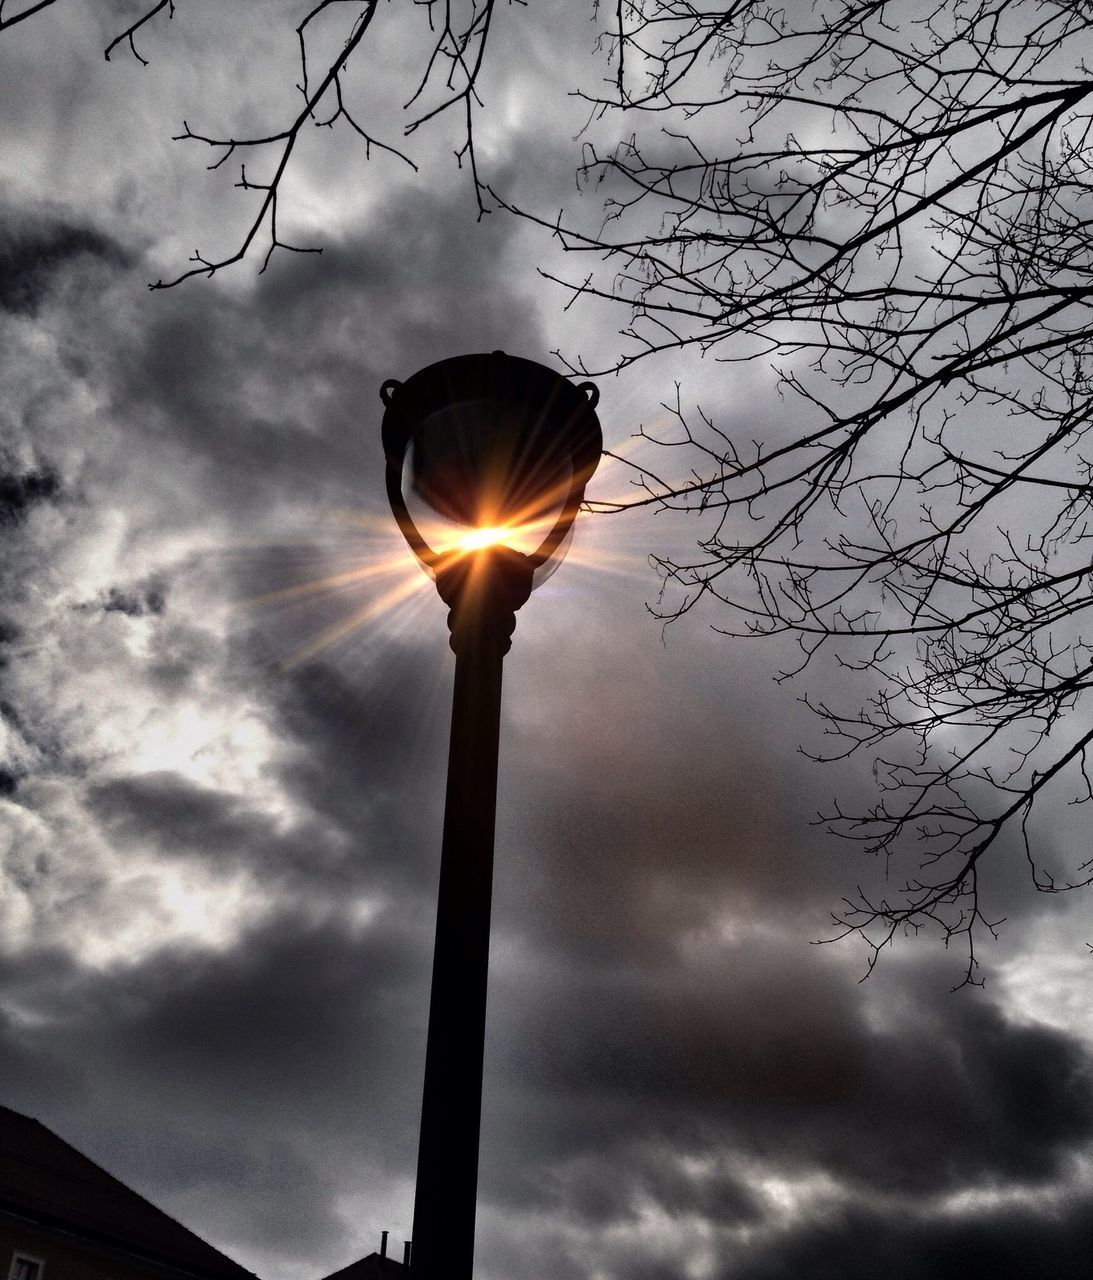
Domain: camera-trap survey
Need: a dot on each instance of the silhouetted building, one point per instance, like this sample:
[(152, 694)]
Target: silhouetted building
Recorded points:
[(62, 1217), (376, 1266)]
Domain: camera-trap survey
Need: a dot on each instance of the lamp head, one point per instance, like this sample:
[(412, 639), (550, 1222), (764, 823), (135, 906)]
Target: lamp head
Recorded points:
[(492, 441)]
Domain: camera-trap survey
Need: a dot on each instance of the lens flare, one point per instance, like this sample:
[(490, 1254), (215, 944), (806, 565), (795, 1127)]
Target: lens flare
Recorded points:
[(477, 539), (383, 586)]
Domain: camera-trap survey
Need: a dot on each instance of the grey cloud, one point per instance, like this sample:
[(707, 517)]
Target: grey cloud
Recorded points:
[(354, 756), (653, 811), (296, 1014), (274, 1075)]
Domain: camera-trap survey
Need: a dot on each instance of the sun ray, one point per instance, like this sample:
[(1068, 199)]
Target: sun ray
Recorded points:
[(370, 612), (331, 582)]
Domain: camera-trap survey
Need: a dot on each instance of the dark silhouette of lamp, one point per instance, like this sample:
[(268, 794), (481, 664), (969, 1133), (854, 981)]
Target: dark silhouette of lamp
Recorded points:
[(496, 445)]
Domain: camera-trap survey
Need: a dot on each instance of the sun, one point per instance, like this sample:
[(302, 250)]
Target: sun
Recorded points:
[(487, 536)]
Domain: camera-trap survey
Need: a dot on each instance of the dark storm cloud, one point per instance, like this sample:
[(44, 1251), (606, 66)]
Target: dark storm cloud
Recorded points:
[(1013, 1242), (18, 492), (301, 1014), (642, 1044), (354, 755), (642, 1174), (170, 810), (37, 980), (680, 794), (273, 1075), (666, 1087), (34, 250), (135, 604), (30, 1073), (759, 1054), (367, 751), (656, 811), (274, 397)]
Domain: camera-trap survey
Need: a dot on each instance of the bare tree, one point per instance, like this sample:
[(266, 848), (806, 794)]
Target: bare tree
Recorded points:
[(890, 203)]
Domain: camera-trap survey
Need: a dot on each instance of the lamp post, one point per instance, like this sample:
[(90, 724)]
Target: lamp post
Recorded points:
[(491, 442)]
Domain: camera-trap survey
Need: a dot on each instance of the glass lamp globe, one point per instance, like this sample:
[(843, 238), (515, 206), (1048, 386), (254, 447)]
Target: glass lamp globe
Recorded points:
[(491, 441)]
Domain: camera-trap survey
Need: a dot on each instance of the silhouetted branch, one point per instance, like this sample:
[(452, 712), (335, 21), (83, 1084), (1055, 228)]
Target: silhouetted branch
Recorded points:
[(130, 31), (889, 207), (28, 12)]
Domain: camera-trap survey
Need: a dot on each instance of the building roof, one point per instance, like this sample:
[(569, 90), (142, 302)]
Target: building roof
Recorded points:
[(45, 1181), (373, 1267)]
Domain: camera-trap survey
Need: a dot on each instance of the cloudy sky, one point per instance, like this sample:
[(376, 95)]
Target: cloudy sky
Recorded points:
[(225, 702)]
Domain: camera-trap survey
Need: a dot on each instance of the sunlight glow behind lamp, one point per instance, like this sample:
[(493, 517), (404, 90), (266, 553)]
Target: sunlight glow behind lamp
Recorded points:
[(501, 448)]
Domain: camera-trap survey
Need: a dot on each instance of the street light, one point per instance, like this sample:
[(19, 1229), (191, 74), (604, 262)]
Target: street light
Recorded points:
[(500, 446)]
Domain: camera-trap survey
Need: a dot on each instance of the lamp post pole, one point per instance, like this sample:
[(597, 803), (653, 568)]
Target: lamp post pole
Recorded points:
[(483, 592), (494, 442)]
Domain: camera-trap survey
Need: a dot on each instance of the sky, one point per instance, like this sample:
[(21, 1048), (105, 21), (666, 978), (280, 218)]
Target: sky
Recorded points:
[(225, 710)]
